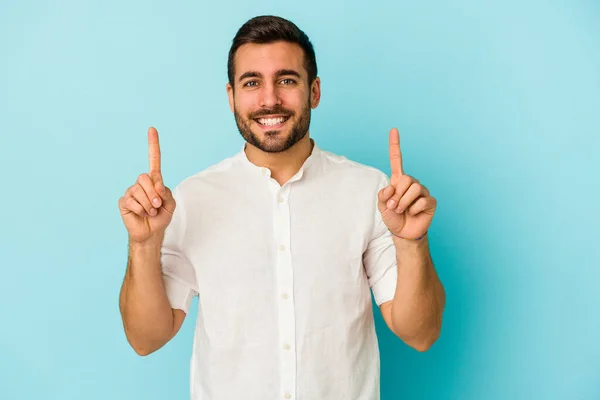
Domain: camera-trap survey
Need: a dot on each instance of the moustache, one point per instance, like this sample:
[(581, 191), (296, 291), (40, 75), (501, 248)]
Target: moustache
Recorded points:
[(276, 110)]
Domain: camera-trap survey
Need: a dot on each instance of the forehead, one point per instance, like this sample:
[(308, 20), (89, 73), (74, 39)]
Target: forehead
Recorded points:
[(269, 58)]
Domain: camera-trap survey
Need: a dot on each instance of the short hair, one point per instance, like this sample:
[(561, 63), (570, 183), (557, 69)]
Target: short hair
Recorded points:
[(267, 29)]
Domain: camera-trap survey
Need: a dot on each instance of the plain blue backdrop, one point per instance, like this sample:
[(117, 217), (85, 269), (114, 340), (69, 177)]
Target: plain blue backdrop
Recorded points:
[(498, 106)]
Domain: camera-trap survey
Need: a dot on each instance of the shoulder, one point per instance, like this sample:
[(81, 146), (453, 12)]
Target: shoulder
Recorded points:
[(218, 172), (361, 174)]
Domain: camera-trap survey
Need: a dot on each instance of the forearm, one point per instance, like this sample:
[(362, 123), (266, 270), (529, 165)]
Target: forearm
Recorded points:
[(419, 299), (145, 309)]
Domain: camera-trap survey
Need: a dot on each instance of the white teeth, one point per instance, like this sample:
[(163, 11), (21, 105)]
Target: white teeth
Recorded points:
[(271, 121)]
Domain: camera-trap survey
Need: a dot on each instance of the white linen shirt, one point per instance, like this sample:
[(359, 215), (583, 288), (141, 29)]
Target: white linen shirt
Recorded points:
[(284, 276)]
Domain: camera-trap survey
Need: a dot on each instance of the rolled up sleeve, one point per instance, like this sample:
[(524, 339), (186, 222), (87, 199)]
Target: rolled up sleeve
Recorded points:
[(379, 259), (178, 272)]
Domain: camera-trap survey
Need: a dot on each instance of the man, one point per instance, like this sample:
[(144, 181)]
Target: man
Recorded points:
[(283, 243)]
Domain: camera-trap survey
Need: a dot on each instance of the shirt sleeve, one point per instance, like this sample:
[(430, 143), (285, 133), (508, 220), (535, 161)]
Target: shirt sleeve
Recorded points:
[(379, 259), (178, 272)]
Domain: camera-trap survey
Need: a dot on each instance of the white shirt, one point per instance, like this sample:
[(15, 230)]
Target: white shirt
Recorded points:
[(284, 276)]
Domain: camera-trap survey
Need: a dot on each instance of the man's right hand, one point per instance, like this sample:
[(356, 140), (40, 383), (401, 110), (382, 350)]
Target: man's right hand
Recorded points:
[(147, 207)]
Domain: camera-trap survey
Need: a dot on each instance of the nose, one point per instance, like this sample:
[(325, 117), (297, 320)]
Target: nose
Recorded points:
[(269, 96)]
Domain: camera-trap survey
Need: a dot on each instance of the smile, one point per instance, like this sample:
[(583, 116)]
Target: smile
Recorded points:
[(272, 122)]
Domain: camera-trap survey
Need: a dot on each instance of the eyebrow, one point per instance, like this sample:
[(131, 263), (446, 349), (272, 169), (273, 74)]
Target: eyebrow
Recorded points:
[(281, 72)]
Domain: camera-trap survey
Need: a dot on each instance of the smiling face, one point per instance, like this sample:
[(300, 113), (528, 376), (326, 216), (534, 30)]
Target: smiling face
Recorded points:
[(272, 99)]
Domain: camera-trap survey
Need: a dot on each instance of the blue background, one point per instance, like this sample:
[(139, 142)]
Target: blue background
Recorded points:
[(498, 105)]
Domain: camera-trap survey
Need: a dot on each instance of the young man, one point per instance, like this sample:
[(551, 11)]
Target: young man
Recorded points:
[(283, 244)]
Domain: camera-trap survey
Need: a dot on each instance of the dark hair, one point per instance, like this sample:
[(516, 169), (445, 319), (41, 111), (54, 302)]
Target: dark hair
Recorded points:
[(269, 29)]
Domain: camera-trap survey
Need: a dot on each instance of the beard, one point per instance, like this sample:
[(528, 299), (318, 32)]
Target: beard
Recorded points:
[(272, 142)]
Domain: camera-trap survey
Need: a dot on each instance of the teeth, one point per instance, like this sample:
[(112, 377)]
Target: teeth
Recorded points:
[(271, 121)]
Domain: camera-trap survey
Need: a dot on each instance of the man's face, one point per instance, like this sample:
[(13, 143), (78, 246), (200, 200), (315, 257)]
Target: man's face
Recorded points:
[(272, 99)]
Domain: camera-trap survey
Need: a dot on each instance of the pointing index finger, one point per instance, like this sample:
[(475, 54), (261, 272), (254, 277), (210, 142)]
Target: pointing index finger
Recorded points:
[(154, 154), (395, 153)]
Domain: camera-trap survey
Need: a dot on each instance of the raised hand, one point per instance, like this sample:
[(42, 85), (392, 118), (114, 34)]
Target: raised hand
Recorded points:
[(147, 207), (405, 205)]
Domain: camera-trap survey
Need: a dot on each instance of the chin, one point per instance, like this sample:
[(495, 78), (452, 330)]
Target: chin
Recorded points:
[(274, 146), (272, 141)]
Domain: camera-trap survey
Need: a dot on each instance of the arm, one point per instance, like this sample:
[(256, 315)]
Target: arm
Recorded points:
[(407, 209), (415, 313), (147, 209), (148, 319)]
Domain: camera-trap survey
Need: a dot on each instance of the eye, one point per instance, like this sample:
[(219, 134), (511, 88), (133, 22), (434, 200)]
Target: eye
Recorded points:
[(250, 83), (288, 81)]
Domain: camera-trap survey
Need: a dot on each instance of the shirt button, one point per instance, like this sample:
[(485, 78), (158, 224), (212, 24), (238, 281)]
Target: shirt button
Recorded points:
[(281, 247), (287, 346), (285, 296), (281, 200), (288, 396)]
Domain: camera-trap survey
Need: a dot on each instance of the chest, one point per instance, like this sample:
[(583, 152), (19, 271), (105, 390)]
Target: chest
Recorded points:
[(251, 241)]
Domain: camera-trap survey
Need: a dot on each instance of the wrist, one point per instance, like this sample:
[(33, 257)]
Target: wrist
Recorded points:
[(405, 244), (409, 239), (153, 243)]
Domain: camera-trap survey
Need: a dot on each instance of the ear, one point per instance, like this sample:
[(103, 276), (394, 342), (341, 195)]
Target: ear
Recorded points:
[(315, 93), (230, 96)]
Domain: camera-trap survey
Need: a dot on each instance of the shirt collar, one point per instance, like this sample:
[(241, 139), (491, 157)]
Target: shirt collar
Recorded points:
[(312, 159)]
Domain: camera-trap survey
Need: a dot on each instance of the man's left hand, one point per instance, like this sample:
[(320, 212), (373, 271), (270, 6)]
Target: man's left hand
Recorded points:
[(406, 206)]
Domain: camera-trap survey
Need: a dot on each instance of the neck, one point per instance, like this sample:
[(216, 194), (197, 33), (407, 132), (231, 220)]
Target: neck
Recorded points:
[(285, 164)]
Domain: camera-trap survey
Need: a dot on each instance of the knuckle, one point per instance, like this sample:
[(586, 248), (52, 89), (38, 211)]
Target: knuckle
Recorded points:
[(134, 205), (131, 203), (143, 178), (140, 193)]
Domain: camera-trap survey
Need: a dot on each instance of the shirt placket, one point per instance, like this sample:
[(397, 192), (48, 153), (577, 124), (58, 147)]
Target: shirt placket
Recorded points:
[(285, 298)]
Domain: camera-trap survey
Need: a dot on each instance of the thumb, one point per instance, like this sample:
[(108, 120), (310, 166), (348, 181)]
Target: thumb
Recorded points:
[(383, 196), (168, 202), (386, 193)]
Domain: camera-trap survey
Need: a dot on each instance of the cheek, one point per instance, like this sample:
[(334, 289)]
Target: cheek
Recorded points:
[(295, 101), (244, 105)]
